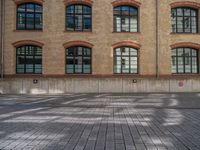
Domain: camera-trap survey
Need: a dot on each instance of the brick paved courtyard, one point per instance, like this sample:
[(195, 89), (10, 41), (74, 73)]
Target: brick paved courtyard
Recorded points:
[(100, 122)]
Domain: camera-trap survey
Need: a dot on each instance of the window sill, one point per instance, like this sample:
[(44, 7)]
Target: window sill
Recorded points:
[(78, 31), (127, 32), (185, 33), (27, 30)]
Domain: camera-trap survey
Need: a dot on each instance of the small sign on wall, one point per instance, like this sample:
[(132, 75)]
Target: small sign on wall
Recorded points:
[(35, 81), (180, 84)]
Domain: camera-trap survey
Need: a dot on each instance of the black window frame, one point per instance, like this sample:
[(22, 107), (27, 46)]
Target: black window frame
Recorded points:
[(183, 16), (34, 13), (184, 58), (81, 14), (128, 56), (75, 48), (25, 55), (121, 16)]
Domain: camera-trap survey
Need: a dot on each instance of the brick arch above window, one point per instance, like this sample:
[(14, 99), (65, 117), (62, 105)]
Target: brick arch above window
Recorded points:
[(186, 45), (27, 42), (134, 3), (29, 1), (77, 43), (185, 4), (127, 43), (85, 2)]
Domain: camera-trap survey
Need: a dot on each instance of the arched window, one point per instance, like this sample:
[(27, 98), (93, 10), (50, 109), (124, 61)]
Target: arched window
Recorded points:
[(29, 60), (184, 60), (29, 16), (78, 18), (184, 20), (125, 19), (125, 60), (78, 60)]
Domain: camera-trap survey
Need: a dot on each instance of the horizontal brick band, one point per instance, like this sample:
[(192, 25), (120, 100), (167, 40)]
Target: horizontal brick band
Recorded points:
[(27, 42), (77, 43), (104, 76), (185, 4), (85, 2), (186, 44), (126, 2), (127, 43), (28, 1)]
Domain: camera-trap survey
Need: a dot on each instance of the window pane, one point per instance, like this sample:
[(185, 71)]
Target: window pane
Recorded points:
[(78, 9), (78, 22), (179, 12), (188, 65), (125, 60), (184, 20), (133, 11), (87, 22), (86, 10), (186, 12), (125, 10), (194, 65), (30, 7), (187, 60), (38, 21), (174, 65), (117, 24), (30, 21), (86, 52), (125, 19), (29, 16), (193, 13), (70, 22), (180, 51), (21, 21), (125, 24), (125, 51), (179, 24), (117, 11), (78, 60), (118, 62), (21, 8), (180, 65), (29, 59), (133, 24), (133, 51), (38, 8), (187, 24), (78, 18), (70, 9)]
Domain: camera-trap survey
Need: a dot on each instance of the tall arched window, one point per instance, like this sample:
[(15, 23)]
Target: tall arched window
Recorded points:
[(29, 16), (125, 60), (78, 18), (78, 60), (125, 19), (184, 20), (29, 60), (184, 60)]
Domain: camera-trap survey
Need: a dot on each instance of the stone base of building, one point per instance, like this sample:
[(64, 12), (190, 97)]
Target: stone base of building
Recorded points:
[(96, 85)]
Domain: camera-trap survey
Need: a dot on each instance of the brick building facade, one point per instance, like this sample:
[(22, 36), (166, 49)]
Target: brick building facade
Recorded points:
[(152, 30)]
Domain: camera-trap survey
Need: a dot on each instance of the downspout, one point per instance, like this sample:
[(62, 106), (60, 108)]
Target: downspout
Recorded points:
[(2, 36), (157, 40)]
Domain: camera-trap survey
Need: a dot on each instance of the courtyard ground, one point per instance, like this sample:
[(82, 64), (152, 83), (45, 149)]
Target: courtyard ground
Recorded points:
[(100, 122)]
